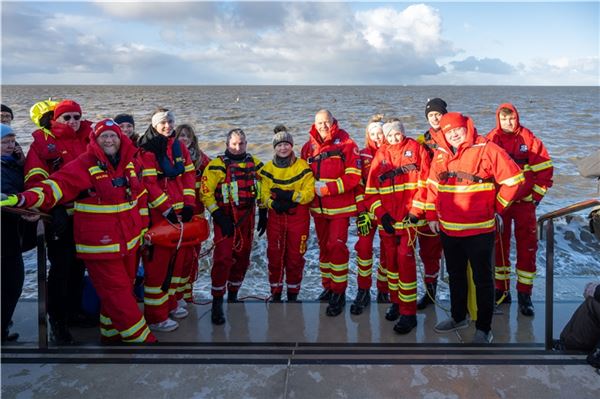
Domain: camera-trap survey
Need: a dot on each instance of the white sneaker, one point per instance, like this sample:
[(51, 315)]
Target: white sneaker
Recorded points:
[(179, 313), (164, 326), (182, 303)]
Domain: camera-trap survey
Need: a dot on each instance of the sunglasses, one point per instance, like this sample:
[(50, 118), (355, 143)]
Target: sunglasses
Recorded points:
[(68, 117)]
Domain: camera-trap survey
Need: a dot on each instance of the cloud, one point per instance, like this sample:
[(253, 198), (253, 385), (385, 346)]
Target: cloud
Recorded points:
[(482, 65)]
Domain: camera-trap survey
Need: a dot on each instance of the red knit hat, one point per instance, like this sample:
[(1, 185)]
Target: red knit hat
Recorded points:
[(105, 125), (452, 120), (66, 106)]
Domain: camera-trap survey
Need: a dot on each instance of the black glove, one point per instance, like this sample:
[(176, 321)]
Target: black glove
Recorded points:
[(281, 207), (388, 223), (262, 221), (60, 220), (186, 213), (282, 195), (413, 219), (224, 221), (172, 217)]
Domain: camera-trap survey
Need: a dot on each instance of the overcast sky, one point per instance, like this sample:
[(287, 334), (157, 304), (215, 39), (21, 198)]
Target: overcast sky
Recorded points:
[(299, 43)]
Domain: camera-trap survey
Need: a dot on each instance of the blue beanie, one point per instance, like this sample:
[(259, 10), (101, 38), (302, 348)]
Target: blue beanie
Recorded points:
[(6, 130)]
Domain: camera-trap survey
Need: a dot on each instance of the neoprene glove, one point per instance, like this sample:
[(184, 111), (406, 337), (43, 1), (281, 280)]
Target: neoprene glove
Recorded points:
[(363, 224), (279, 194), (413, 219), (387, 221), (171, 216), (262, 221), (224, 222), (60, 220), (186, 213), (281, 207), (9, 200)]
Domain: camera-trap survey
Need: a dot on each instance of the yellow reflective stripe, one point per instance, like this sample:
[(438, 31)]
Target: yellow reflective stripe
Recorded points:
[(364, 262), (407, 286), (97, 249), (109, 333), (161, 199), (340, 268), (364, 273), (526, 168), (502, 200), (340, 185), (466, 226), (213, 207), (539, 189), (393, 275), (392, 286), (541, 166), (56, 191), (405, 225), (472, 188), (189, 167), (40, 193), (398, 187), (529, 198), (371, 190), (418, 204), (407, 298), (339, 279), (352, 171), (152, 290), (513, 181), (359, 197), (105, 320), (134, 329), (381, 277), (94, 170), (430, 206), (335, 211), (113, 208), (374, 206), (36, 171), (156, 302), (149, 172), (178, 205), (141, 338), (134, 241), (189, 191), (144, 211)]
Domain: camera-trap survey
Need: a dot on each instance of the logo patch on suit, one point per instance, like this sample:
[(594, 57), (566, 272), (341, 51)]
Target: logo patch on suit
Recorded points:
[(408, 153), (523, 148), (51, 147), (336, 141)]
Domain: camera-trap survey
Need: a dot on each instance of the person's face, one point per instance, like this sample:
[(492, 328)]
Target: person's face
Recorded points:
[(8, 145), (508, 122), (456, 136), (236, 145), (434, 119), (127, 128), (283, 149), (73, 119), (376, 136), (185, 138), (394, 137), (165, 127), (109, 142), (323, 123), (5, 118)]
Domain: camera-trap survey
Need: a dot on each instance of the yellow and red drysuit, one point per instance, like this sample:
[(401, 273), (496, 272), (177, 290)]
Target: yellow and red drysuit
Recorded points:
[(169, 178), (364, 244), (232, 186), (287, 232), (396, 186), (108, 229), (336, 162), (532, 157)]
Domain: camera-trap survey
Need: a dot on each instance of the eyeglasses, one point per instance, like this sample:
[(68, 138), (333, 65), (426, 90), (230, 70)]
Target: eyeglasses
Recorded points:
[(67, 118)]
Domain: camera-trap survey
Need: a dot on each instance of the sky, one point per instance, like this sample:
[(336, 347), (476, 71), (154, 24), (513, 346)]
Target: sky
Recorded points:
[(300, 43)]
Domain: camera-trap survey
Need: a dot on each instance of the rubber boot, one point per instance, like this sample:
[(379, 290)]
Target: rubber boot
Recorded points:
[(362, 300), (383, 297), (60, 334), (232, 297), (405, 324), (292, 297), (428, 297), (525, 305), (393, 312), (217, 316), (336, 304), (324, 295), (276, 297)]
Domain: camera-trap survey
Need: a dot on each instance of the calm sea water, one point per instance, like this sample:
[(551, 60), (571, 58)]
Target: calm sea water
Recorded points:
[(567, 119)]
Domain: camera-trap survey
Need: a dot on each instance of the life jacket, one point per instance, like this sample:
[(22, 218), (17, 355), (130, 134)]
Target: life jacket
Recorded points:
[(240, 186)]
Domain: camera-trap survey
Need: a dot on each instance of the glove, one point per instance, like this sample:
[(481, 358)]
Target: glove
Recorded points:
[(262, 221), (60, 220), (387, 221), (499, 223), (186, 213), (589, 290), (413, 219), (321, 188), (281, 207), (9, 200), (363, 224), (279, 194), (434, 226), (224, 221), (171, 216)]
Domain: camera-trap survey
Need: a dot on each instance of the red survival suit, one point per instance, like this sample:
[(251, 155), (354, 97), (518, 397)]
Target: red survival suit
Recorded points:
[(532, 157), (108, 230), (335, 161), (165, 193), (396, 186)]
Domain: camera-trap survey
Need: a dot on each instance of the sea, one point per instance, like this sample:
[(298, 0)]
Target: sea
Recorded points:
[(566, 119)]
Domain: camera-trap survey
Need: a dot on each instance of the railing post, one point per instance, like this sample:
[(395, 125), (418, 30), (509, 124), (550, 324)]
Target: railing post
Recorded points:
[(41, 282), (549, 283)]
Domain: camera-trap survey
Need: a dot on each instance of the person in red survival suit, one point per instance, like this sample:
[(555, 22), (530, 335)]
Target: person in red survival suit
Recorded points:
[(334, 159), (168, 175), (471, 181), (529, 153), (229, 192), (366, 225), (62, 137), (430, 246), (107, 224), (396, 195)]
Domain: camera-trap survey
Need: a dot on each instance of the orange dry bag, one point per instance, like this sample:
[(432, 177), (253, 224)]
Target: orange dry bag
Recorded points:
[(164, 234)]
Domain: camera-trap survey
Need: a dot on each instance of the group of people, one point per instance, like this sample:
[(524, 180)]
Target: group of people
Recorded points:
[(452, 190)]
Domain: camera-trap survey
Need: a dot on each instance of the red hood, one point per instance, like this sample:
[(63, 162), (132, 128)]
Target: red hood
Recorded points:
[(472, 137), (126, 151), (514, 110), (334, 133)]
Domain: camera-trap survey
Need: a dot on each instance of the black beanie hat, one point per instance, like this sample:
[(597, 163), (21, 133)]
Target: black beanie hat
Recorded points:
[(124, 118), (7, 109), (436, 104)]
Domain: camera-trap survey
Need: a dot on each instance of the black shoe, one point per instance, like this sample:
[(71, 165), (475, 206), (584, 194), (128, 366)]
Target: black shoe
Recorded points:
[(383, 297), (336, 304), (525, 305), (217, 317), (393, 312), (8, 337), (498, 295), (292, 297), (232, 297), (83, 320), (405, 324), (324, 295), (428, 297), (60, 334), (362, 300), (276, 297), (594, 358)]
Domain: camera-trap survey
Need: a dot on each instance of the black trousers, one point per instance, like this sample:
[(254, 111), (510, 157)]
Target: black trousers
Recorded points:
[(65, 277), (477, 250), (583, 330), (13, 275)]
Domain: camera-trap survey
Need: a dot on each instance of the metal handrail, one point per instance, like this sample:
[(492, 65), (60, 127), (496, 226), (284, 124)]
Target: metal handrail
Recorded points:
[(548, 218)]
